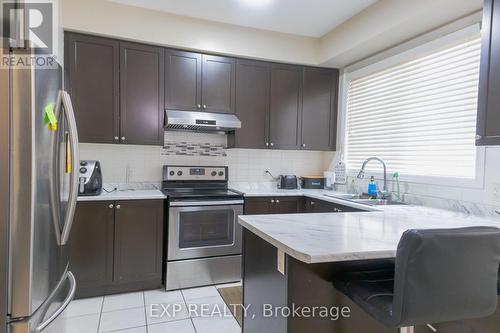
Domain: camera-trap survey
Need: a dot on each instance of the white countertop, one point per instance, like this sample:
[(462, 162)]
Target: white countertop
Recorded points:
[(135, 191), (332, 237)]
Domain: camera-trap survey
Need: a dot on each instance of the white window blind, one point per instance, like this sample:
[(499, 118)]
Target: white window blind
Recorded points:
[(419, 116)]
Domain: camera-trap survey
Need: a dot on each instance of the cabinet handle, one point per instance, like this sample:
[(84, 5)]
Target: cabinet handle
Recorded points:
[(303, 145), (312, 203), (123, 138), (204, 106), (116, 138), (272, 144), (278, 202), (118, 206), (198, 106), (478, 137), (267, 144), (111, 206), (272, 201)]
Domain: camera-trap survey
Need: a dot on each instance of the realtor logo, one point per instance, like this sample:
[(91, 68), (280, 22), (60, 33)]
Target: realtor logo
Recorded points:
[(28, 21), (29, 30)]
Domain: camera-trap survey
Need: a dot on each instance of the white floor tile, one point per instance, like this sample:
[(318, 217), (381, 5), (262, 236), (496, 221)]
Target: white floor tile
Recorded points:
[(178, 326), (133, 330), (163, 297), (202, 292), (122, 319), (81, 324), (123, 301), (229, 285), (216, 325), (85, 306), (155, 315), (207, 307)]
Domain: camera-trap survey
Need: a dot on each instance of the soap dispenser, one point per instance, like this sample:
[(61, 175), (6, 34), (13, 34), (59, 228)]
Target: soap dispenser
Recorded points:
[(372, 187)]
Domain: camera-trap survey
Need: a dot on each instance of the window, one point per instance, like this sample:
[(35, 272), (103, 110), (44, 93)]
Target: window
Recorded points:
[(419, 116)]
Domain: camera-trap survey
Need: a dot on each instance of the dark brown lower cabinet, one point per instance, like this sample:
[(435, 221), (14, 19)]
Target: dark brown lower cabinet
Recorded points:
[(117, 246), (138, 240), (91, 246), (271, 205), (320, 206)]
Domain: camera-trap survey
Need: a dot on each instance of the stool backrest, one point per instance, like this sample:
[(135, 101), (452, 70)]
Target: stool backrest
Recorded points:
[(444, 275)]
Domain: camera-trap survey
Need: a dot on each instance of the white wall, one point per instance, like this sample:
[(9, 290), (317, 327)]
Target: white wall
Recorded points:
[(112, 19), (388, 23)]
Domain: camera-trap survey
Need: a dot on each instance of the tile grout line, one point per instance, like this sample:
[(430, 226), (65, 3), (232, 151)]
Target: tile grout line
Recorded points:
[(100, 315), (145, 311), (190, 318)]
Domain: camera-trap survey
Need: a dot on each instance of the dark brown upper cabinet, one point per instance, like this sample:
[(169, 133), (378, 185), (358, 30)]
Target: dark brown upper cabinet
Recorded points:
[(182, 80), (488, 118), (92, 80), (252, 104), (319, 109), (196, 82), (141, 94), (218, 84), (285, 107)]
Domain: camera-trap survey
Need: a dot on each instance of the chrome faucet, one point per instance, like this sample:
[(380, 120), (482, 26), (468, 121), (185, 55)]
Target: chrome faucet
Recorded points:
[(361, 175)]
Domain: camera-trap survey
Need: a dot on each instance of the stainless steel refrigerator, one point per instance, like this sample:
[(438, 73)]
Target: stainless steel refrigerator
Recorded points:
[(38, 192)]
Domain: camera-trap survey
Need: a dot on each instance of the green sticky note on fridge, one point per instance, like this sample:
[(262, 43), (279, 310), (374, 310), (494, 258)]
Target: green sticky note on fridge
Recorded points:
[(49, 117)]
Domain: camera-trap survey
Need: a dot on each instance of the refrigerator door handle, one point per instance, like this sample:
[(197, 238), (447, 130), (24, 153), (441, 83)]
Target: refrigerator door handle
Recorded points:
[(63, 306), (71, 165)]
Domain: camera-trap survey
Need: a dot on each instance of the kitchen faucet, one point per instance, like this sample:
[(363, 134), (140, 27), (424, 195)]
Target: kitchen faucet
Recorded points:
[(361, 175)]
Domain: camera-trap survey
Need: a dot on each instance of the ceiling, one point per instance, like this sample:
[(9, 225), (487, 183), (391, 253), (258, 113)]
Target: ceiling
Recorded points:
[(312, 18)]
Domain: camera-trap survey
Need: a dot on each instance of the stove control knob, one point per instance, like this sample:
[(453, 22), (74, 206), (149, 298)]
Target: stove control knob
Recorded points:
[(83, 163), (179, 173), (221, 173), (83, 170), (214, 173), (171, 173)]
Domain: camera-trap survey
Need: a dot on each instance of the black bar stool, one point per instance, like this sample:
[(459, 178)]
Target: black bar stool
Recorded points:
[(440, 275)]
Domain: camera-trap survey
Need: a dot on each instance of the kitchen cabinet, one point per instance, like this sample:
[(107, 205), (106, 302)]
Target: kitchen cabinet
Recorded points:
[(252, 104), (488, 118), (92, 80), (116, 246), (285, 107), (319, 109), (271, 205), (320, 206), (138, 240), (182, 80), (91, 246), (196, 82), (141, 94)]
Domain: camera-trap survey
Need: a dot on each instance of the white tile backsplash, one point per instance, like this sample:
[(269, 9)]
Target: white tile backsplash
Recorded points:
[(129, 163)]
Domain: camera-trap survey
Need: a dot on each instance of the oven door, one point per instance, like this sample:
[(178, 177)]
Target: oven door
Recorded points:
[(204, 229)]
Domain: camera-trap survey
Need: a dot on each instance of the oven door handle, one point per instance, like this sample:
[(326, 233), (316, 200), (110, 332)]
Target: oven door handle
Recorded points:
[(205, 203)]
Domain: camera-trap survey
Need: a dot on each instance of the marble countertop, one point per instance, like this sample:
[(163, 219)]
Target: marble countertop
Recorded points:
[(333, 237), (138, 191)]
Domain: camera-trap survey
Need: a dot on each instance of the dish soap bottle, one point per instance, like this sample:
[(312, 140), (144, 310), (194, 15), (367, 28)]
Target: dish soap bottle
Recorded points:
[(372, 187)]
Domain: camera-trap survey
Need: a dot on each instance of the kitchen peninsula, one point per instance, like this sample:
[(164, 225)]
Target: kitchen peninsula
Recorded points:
[(290, 260)]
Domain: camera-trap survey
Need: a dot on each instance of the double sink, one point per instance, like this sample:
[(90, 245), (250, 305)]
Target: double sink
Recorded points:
[(365, 200)]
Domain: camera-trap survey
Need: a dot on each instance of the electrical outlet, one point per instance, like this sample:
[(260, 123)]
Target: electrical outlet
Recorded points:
[(495, 192)]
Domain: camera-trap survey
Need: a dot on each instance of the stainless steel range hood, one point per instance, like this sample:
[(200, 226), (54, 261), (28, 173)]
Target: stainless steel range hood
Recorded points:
[(201, 121)]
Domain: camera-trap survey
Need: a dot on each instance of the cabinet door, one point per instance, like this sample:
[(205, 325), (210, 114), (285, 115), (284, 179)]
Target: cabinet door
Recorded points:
[(261, 205), (218, 84), (182, 80), (286, 205), (319, 106), (138, 241), (92, 79), (285, 107), (141, 94), (252, 104), (488, 118), (91, 247)]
